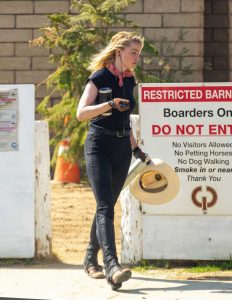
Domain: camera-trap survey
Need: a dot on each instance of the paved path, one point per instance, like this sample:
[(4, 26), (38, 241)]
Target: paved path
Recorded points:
[(68, 282)]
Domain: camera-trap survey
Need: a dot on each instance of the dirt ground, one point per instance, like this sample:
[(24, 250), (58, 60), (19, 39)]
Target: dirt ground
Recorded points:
[(73, 208)]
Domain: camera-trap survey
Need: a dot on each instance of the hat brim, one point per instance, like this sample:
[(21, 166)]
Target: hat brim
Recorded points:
[(157, 184)]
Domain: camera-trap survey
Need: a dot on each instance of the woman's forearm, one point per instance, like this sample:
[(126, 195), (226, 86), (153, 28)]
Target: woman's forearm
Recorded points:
[(91, 111)]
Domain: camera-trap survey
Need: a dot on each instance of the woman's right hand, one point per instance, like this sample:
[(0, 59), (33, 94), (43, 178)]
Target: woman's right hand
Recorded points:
[(121, 104)]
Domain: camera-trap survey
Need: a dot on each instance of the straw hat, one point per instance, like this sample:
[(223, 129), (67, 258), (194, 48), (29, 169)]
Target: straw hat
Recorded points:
[(156, 184)]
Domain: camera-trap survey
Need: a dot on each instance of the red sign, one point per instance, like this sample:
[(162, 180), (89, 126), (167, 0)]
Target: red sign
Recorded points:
[(186, 94)]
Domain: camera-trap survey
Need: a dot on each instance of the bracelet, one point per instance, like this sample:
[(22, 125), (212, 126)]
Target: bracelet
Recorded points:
[(111, 103), (135, 149)]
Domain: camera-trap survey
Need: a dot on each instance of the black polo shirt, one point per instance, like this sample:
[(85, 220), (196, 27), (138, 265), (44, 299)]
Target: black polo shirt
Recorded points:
[(118, 120)]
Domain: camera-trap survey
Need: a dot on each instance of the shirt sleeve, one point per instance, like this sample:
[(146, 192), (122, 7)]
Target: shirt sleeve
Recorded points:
[(97, 78), (134, 81)]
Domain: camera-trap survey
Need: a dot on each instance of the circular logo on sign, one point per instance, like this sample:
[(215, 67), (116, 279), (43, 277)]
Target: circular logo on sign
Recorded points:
[(204, 199)]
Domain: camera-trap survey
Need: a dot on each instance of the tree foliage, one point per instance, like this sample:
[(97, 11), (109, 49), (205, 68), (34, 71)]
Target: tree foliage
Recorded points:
[(73, 39)]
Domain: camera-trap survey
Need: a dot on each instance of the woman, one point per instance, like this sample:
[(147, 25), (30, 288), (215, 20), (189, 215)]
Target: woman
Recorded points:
[(109, 145)]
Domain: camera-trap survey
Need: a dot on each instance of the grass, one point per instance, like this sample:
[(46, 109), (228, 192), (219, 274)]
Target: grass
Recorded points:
[(187, 266), (212, 266), (203, 269), (146, 265), (8, 262)]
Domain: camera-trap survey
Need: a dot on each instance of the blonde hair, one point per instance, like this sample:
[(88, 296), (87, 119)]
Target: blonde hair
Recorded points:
[(120, 40)]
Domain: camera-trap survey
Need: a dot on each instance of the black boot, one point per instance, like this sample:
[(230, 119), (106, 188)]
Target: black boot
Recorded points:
[(90, 264), (90, 258), (115, 275)]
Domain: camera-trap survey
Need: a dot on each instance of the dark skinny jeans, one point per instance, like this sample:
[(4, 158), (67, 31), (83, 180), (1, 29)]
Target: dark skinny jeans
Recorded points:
[(107, 162)]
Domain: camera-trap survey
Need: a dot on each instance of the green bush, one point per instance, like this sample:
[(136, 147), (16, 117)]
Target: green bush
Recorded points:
[(72, 40)]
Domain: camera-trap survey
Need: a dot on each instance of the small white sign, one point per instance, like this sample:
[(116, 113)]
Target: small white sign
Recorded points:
[(8, 120), (189, 127)]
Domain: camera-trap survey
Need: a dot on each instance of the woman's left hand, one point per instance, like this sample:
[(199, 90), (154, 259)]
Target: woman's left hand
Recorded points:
[(138, 153), (121, 104)]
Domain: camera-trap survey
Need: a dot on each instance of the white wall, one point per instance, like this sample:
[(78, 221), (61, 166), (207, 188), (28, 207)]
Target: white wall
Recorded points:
[(17, 183)]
